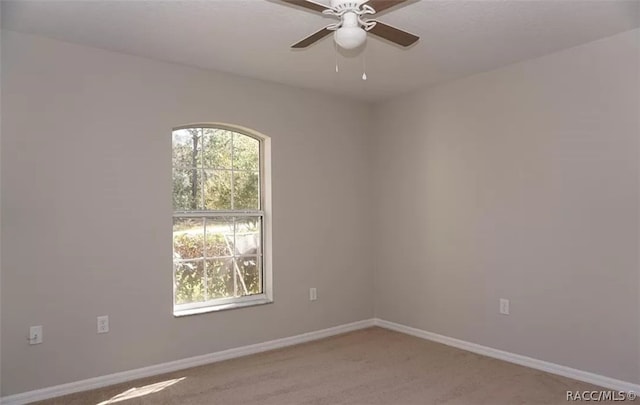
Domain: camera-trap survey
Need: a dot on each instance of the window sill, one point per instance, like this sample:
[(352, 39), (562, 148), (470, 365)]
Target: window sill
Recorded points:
[(178, 313)]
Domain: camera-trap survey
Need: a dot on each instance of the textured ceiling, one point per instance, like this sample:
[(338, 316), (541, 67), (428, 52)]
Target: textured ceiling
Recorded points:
[(252, 37)]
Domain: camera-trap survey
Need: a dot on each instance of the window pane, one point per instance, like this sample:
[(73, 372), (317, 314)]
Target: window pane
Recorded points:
[(189, 282), (220, 277), (188, 237), (217, 190), (246, 153), (248, 235), (217, 149), (187, 147), (187, 189), (246, 190), (219, 237), (250, 274)]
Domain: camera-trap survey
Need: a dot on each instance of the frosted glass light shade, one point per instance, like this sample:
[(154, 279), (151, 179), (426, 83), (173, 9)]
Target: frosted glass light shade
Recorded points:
[(350, 37)]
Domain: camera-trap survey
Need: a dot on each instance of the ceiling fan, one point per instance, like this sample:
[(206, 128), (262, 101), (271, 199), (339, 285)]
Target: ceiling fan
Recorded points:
[(351, 31)]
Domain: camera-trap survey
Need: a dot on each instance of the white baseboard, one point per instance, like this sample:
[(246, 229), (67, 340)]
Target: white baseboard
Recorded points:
[(596, 379), (116, 378)]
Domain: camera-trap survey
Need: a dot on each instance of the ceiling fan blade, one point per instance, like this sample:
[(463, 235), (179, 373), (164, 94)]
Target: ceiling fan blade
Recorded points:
[(312, 5), (317, 36), (381, 5), (393, 34)]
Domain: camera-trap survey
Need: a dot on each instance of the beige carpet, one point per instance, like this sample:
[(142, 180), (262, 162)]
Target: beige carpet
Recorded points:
[(370, 366)]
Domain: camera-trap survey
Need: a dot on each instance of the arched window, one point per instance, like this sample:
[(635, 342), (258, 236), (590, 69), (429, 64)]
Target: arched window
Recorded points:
[(219, 219)]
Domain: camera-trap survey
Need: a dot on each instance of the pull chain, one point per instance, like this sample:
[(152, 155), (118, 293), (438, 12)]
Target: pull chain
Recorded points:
[(364, 65), (335, 48)]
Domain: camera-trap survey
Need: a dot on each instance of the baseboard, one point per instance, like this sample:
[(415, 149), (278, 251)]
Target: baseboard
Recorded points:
[(596, 379), (116, 378)]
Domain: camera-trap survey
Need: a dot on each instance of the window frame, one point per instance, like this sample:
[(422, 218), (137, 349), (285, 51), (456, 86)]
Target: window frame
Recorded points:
[(263, 212)]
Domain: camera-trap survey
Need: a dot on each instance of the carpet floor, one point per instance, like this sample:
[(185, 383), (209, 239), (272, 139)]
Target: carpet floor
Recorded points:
[(369, 366)]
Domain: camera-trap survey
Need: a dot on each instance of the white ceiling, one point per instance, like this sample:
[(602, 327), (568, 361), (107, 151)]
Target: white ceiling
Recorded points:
[(252, 37)]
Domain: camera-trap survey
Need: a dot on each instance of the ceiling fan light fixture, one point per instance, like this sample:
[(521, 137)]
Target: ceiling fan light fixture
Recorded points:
[(350, 37), (351, 31)]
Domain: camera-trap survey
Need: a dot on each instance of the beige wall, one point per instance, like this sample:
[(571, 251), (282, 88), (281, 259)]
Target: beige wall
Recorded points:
[(520, 183), (86, 208), (0, 203)]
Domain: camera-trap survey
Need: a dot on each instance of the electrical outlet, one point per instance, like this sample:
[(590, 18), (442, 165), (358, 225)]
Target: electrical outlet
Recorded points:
[(103, 324), (35, 335), (313, 294), (504, 306)]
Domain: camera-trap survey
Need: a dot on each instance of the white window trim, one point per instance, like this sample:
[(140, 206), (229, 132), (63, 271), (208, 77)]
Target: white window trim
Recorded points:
[(266, 297)]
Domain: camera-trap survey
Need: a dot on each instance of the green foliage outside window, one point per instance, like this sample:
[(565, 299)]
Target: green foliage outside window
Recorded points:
[(215, 169), (190, 281)]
